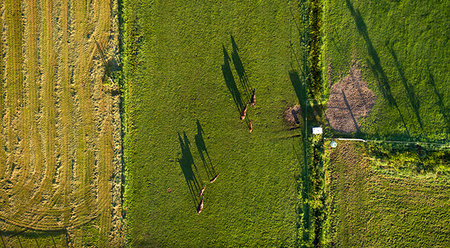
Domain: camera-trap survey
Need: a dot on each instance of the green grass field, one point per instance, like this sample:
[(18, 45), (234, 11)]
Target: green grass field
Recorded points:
[(404, 54), (370, 208), (187, 68), (187, 72), (402, 50)]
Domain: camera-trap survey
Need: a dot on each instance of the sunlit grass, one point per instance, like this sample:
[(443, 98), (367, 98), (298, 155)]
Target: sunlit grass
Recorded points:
[(404, 53), (178, 77)]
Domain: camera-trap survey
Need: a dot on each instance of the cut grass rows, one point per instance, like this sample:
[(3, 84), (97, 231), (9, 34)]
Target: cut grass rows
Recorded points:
[(106, 136), (3, 164), (84, 153), (14, 78), (48, 97), (66, 112), (85, 130), (60, 174), (49, 120), (31, 68)]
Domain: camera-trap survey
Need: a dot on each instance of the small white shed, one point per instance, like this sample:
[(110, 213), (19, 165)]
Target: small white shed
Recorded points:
[(317, 130)]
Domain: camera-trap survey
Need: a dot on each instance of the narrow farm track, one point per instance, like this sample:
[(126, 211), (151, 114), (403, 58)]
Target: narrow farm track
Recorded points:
[(106, 153), (84, 153), (66, 111), (3, 165), (14, 80), (49, 114), (60, 123), (33, 151)]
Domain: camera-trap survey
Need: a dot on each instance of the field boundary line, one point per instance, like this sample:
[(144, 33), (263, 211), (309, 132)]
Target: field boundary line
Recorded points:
[(390, 141)]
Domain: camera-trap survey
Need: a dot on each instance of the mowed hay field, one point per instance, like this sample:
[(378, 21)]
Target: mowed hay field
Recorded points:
[(370, 208), (60, 125), (401, 48), (190, 68)]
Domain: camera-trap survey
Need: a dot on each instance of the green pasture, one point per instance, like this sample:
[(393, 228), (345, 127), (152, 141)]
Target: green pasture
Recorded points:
[(404, 54), (371, 208), (187, 66)]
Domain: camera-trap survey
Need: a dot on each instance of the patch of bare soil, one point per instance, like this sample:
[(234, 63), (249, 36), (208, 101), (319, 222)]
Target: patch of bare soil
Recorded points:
[(293, 116), (350, 101)]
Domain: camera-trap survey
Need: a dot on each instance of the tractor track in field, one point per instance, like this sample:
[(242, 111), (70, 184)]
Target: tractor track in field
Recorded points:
[(60, 123)]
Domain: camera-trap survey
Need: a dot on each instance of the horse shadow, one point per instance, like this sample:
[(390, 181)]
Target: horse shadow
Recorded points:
[(187, 164), (204, 155)]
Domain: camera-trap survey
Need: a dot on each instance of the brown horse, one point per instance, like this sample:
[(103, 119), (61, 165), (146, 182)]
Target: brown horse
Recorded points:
[(202, 190), (244, 112), (253, 99), (214, 179), (200, 206)]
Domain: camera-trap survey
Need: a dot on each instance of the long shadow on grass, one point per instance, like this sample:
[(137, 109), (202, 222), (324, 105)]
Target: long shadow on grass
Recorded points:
[(299, 88), (413, 100), (239, 66), (351, 112), (312, 110), (383, 81), (229, 80), (377, 69), (6, 236), (304, 34), (186, 163), (201, 147), (444, 111), (305, 185)]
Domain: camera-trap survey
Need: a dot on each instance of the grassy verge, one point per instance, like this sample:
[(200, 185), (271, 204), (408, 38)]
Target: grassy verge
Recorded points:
[(188, 66), (404, 54), (373, 209)]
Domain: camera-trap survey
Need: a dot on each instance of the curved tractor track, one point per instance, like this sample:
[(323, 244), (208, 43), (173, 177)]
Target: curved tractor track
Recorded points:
[(60, 125)]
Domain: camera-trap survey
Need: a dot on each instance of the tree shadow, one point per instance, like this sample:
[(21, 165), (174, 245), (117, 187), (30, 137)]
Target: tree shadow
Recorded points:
[(300, 91), (375, 66), (6, 236), (383, 81), (186, 163), (311, 112), (413, 100), (239, 66), (111, 68), (201, 147), (299, 87), (440, 102), (229, 80), (304, 36), (351, 112)]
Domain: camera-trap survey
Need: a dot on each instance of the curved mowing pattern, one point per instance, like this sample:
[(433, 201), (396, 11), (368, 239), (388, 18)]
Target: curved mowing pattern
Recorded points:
[(60, 124)]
